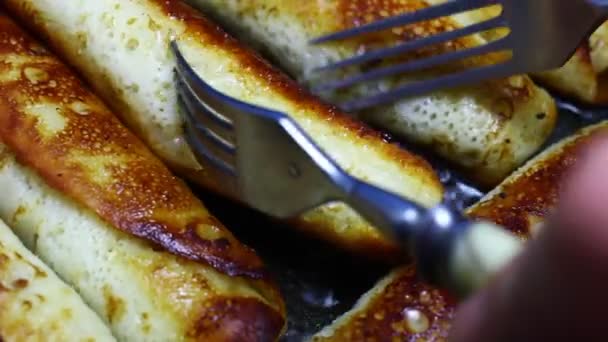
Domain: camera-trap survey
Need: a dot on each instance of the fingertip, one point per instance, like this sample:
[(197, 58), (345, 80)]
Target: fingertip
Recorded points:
[(467, 320), (522, 300), (582, 215)]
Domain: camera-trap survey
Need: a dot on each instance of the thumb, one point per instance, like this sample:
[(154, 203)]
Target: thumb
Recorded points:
[(557, 288)]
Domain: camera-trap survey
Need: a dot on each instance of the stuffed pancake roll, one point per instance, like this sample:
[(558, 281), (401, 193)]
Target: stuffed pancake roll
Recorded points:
[(123, 48), (584, 76), (524, 200), (35, 305), (488, 129), (401, 307), (87, 197), (398, 308)]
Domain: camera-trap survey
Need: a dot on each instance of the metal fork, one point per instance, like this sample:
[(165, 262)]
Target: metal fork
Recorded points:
[(264, 159), (542, 35)]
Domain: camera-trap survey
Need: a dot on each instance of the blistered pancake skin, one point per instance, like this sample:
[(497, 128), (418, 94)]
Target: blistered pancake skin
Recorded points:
[(402, 309), (169, 266), (55, 126), (487, 129), (524, 200), (96, 38), (36, 305)]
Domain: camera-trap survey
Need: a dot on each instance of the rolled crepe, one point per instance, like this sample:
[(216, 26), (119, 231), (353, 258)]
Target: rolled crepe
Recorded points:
[(122, 48), (401, 307), (87, 197), (35, 305), (582, 77), (487, 129)]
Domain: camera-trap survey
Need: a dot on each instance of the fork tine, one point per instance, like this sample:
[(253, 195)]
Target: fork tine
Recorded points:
[(436, 11), (469, 76), (417, 44), (415, 65), (196, 141), (194, 105), (197, 86), (208, 115)]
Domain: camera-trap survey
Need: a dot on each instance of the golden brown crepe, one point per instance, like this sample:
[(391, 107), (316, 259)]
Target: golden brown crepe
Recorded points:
[(583, 77), (91, 201), (488, 129), (398, 308), (122, 48), (401, 307), (35, 305)]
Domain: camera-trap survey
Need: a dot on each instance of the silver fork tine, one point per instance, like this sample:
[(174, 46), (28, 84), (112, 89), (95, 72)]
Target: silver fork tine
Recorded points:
[(469, 76), (210, 115), (197, 140), (207, 129), (414, 65), (437, 11), (216, 126), (192, 81), (222, 140), (417, 44)]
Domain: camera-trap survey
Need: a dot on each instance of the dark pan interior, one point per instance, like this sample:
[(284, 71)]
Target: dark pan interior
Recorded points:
[(320, 283)]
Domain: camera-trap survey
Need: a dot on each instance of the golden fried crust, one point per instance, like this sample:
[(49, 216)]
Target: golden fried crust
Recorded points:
[(236, 319), (399, 308), (360, 12), (202, 29), (519, 204), (342, 14), (368, 242), (35, 305), (501, 112), (56, 127), (525, 199), (350, 142), (584, 77), (576, 79)]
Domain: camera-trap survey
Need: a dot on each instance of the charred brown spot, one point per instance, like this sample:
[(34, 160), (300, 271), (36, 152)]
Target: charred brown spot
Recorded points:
[(4, 259), (115, 306), (40, 273), (20, 211), (584, 52), (27, 305), (19, 256), (237, 319), (20, 283)]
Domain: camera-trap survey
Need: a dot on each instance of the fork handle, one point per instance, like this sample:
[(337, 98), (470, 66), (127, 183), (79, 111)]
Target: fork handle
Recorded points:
[(450, 251), (601, 6)]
